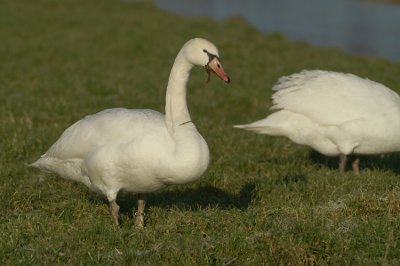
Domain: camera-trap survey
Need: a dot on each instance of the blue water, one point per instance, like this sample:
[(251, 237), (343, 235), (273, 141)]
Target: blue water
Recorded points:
[(357, 26)]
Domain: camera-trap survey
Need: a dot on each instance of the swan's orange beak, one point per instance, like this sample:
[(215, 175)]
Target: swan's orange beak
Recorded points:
[(216, 66)]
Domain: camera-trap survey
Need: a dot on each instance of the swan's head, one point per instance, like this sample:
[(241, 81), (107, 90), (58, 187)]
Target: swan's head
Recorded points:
[(201, 52)]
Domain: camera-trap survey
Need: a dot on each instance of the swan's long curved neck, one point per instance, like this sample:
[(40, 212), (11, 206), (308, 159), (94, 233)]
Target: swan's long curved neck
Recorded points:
[(190, 155), (176, 111)]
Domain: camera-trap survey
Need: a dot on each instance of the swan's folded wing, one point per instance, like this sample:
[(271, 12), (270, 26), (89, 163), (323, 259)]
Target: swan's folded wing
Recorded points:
[(116, 125), (331, 98)]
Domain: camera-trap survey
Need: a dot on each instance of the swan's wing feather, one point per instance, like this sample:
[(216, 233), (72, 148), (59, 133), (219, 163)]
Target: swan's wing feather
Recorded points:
[(332, 98), (116, 125)]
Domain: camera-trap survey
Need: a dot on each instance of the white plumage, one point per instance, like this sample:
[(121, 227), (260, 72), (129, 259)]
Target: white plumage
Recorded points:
[(334, 113), (138, 150)]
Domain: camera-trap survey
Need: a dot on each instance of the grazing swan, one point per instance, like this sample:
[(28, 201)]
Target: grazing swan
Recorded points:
[(138, 150), (336, 114)]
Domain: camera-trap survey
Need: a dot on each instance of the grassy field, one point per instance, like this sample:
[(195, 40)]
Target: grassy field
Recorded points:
[(263, 200)]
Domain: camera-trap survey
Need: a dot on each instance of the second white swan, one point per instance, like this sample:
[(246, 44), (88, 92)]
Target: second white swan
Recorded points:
[(336, 114)]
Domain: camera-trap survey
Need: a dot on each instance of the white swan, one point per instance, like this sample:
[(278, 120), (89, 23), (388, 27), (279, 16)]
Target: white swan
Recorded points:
[(138, 150), (335, 114)]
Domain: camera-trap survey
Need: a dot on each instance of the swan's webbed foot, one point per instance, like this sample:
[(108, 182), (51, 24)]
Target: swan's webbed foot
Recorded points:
[(139, 222), (114, 209)]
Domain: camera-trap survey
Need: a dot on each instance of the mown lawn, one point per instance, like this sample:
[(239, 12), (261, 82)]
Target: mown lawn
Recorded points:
[(263, 200)]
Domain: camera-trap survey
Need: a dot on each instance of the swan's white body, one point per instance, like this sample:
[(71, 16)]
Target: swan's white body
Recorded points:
[(334, 113), (127, 149), (137, 150)]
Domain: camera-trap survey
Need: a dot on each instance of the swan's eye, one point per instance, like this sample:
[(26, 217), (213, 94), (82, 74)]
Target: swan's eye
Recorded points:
[(211, 56), (218, 65)]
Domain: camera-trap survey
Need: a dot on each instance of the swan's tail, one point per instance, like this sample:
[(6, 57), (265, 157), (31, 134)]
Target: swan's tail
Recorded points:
[(68, 169), (262, 127), (276, 124)]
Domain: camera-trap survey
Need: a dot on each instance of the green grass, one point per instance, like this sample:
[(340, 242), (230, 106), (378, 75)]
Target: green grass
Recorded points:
[(263, 200)]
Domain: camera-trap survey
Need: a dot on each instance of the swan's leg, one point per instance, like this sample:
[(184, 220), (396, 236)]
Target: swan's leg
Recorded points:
[(139, 222), (342, 163), (356, 166), (114, 208)]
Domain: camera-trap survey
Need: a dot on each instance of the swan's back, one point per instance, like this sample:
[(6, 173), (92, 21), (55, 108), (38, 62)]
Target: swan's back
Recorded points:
[(115, 126), (332, 98)]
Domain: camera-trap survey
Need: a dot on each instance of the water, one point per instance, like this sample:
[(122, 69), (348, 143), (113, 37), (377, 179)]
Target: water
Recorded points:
[(356, 26)]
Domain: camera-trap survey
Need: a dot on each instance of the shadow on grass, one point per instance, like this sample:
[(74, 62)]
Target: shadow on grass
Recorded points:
[(388, 162), (203, 197), (293, 178), (187, 199)]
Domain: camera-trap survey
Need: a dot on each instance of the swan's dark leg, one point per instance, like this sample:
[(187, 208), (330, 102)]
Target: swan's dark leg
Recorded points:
[(139, 222), (342, 163), (114, 209), (356, 165)]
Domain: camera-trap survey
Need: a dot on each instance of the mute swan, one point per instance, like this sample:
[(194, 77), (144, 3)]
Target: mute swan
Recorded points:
[(138, 150), (335, 114)]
